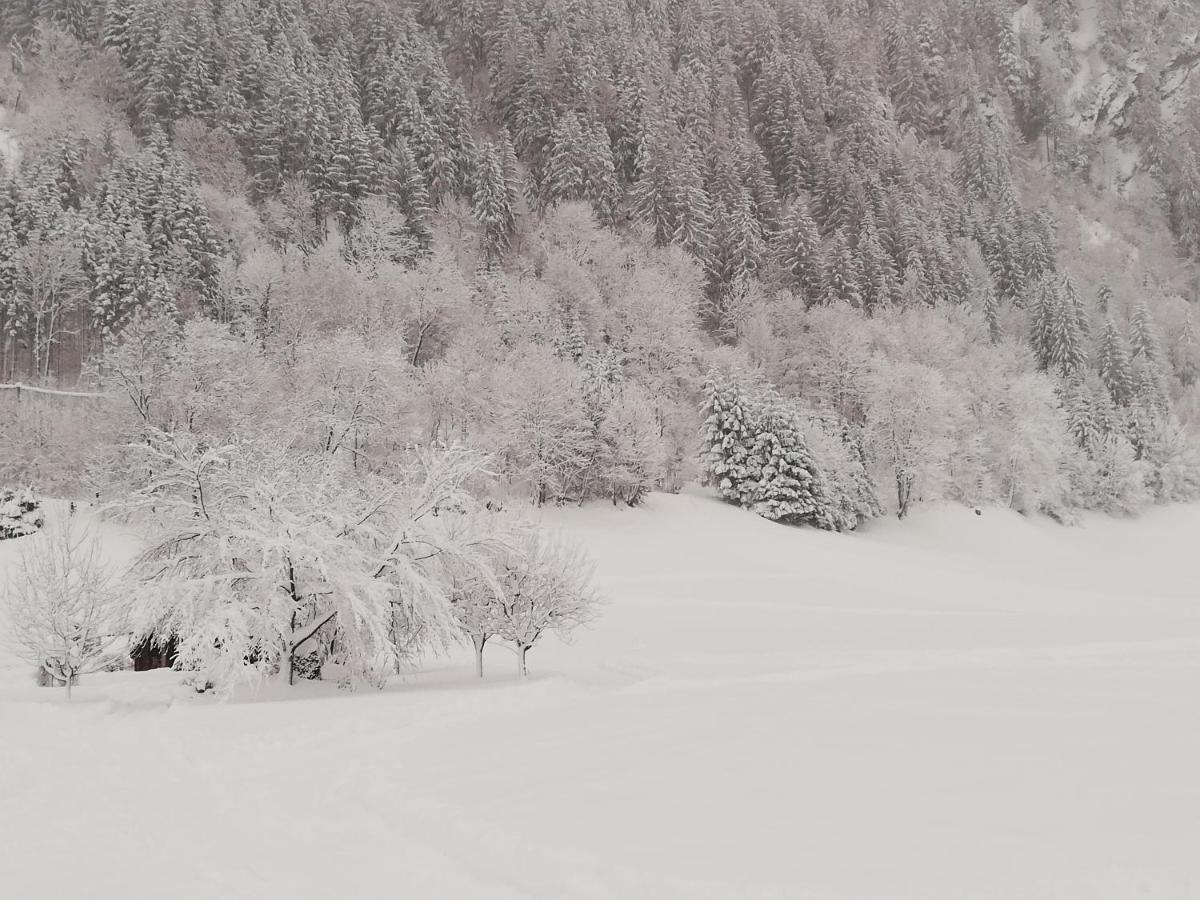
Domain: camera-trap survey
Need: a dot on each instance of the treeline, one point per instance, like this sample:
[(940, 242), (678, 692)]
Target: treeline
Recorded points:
[(89, 234), (534, 226)]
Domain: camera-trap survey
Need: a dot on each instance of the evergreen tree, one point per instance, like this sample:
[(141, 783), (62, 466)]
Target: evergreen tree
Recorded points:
[(788, 488), (1114, 365), (738, 249), (1149, 376), (1078, 403), (490, 202), (756, 456), (843, 276), (1057, 333), (402, 183), (879, 276), (797, 249)]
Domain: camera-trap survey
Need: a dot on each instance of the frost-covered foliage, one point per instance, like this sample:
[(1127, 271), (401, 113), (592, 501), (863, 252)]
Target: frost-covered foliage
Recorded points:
[(910, 427), (64, 607), (531, 229), (20, 513), (545, 585), (535, 584), (257, 556)]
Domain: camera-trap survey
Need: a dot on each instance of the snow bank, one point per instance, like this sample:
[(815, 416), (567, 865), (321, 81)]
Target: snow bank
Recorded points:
[(959, 705)]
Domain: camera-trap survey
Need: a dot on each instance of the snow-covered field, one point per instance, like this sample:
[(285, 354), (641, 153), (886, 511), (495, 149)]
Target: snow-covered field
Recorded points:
[(957, 706)]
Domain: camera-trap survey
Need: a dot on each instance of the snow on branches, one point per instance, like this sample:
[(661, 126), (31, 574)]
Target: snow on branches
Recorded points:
[(756, 454), (63, 607), (20, 514), (260, 560), (536, 584)]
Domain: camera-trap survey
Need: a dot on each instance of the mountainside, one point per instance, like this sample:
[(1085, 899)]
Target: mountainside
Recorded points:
[(360, 339), (952, 240)]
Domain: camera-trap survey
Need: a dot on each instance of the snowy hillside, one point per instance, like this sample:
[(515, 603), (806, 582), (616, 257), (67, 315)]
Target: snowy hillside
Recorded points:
[(961, 706)]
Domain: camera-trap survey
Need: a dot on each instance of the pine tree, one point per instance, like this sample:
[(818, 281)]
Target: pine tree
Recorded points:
[(490, 202), (738, 250), (563, 174), (1078, 403), (1114, 365), (797, 249), (983, 166), (906, 77), (788, 487), (843, 276), (879, 276), (11, 317), (1057, 334), (728, 434), (755, 454), (1142, 337), (402, 183), (1149, 376)]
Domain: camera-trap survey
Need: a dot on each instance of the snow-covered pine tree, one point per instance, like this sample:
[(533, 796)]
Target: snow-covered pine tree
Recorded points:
[(797, 250), (1149, 377), (730, 415), (1114, 366), (756, 456), (843, 274), (490, 202), (788, 487)]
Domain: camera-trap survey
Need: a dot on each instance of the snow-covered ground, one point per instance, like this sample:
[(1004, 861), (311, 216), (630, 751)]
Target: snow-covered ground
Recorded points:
[(957, 706)]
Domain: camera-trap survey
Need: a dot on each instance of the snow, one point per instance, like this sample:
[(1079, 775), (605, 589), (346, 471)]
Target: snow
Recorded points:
[(1095, 232), (958, 705), (10, 152), (1084, 42)]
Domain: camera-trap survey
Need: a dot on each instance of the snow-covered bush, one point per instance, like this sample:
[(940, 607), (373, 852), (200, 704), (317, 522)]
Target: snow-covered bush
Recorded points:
[(20, 513), (63, 606)]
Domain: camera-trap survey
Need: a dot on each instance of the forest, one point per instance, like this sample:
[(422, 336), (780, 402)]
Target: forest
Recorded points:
[(352, 281)]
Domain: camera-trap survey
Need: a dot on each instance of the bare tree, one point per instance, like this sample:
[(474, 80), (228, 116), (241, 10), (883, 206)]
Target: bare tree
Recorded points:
[(62, 604), (546, 585), (50, 278)]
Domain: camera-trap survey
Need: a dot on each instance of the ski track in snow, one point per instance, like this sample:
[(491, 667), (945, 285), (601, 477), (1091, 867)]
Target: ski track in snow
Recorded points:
[(953, 706)]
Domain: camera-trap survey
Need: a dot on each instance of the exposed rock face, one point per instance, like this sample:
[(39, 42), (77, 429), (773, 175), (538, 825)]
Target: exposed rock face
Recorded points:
[(1126, 72)]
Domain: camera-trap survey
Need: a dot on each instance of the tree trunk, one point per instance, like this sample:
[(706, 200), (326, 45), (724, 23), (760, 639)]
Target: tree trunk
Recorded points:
[(521, 668), (69, 679), (478, 641)]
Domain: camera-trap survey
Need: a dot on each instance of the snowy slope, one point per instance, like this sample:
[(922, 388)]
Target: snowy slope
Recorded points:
[(959, 706)]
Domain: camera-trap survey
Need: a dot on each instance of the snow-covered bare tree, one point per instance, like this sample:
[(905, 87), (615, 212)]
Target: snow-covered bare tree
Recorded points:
[(545, 585), (257, 556), (912, 416), (63, 604)]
